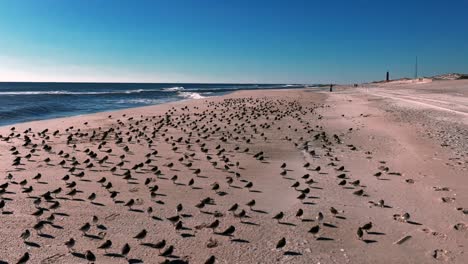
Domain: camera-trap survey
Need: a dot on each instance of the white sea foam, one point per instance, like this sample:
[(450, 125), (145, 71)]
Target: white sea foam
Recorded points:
[(173, 89), (77, 93), (141, 101), (189, 95)]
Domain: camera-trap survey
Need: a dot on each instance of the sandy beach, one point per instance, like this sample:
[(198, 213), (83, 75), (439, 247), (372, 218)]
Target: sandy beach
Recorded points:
[(374, 174)]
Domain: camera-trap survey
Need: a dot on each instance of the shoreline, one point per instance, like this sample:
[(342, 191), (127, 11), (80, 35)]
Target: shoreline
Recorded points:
[(150, 105), (349, 132)]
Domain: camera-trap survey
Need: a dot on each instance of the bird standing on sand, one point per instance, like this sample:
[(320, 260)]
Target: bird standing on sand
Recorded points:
[(70, 244), (314, 230), (251, 204), (281, 243), (278, 216), (85, 228), (214, 225), (125, 250), (229, 231), (360, 233), (106, 245), (25, 235), (168, 252), (367, 227), (210, 260), (24, 259), (90, 256)]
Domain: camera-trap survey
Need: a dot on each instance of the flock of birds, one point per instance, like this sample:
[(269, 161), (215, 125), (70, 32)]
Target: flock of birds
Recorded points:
[(143, 168)]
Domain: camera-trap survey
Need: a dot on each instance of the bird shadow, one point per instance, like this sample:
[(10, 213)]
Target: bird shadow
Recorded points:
[(413, 223), (292, 253), (150, 245), (309, 203), (340, 217), (7, 212), (369, 241), (286, 223), (325, 239), (255, 191), (249, 223), (315, 187), (46, 236), (78, 255), (136, 210), (259, 211), (239, 240), (62, 214), (98, 204), (376, 233), (131, 261), (329, 225), (93, 236), (186, 235), (32, 244)]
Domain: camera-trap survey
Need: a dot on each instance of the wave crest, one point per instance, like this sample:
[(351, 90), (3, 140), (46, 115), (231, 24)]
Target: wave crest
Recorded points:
[(173, 89), (189, 95)]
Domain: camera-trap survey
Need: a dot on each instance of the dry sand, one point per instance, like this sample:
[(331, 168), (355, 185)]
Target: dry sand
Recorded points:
[(414, 135)]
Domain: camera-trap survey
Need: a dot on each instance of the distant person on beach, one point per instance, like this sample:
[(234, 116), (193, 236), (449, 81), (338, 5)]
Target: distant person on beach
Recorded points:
[(331, 87)]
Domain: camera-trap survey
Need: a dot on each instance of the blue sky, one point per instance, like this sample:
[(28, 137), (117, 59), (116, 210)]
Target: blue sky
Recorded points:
[(293, 41)]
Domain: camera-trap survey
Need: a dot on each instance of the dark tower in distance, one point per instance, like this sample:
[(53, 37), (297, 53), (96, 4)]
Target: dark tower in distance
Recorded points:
[(388, 76)]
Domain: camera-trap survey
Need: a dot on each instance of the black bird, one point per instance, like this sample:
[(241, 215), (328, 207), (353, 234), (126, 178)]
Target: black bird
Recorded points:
[(210, 260), (106, 245), (299, 213), (70, 244), (281, 243), (168, 252), (314, 230), (25, 235), (85, 228), (233, 208), (141, 235), (24, 259), (125, 250), (251, 204), (359, 192), (214, 225), (229, 231), (90, 256), (278, 216), (130, 203), (360, 233), (367, 227)]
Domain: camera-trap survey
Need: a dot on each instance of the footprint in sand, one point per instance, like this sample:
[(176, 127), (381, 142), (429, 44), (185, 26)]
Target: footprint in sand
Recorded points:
[(447, 199), (461, 227), (441, 254), (434, 233), (441, 189)]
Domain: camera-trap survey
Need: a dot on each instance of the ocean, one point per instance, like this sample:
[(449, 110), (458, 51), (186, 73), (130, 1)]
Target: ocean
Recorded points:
[(22, 102)]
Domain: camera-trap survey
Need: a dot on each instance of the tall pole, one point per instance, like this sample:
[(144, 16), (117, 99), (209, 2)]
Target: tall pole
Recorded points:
[(416, 68)]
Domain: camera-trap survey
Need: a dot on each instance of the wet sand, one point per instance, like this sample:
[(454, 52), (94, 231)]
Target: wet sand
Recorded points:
[(286, 149)]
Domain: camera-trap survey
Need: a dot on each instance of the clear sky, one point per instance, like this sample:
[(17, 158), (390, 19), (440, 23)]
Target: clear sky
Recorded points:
[(290, 41)]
